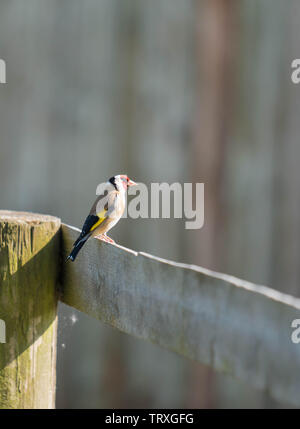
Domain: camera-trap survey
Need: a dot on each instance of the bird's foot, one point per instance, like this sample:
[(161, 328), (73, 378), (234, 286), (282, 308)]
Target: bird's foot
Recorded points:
[(105, 238), (109, 240)]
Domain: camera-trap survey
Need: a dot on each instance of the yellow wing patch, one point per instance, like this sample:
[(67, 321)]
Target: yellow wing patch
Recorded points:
[(101, 217)]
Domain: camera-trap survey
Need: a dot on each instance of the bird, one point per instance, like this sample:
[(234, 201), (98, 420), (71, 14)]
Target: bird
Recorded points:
[(105, 212)]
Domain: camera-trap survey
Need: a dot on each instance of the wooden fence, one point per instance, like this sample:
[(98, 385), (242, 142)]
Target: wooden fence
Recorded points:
[(229, 324)]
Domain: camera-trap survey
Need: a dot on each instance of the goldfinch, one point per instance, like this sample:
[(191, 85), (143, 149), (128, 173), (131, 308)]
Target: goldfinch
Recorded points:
[(105, 213)]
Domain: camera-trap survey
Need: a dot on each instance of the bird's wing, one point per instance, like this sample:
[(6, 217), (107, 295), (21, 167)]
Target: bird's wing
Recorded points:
[(102, 208)]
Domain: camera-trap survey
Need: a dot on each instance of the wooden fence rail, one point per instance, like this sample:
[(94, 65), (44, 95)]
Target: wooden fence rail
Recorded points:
[(229, 324)]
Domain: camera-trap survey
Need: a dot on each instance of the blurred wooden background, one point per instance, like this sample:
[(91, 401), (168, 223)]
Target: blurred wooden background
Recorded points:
[(167, 90)]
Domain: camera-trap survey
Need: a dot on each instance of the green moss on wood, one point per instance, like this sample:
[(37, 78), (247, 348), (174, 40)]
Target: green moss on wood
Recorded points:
[(29, 252)]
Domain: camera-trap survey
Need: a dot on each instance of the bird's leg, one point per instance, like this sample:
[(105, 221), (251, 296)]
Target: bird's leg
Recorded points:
[(101, 237), (108, 239), (104, 237)]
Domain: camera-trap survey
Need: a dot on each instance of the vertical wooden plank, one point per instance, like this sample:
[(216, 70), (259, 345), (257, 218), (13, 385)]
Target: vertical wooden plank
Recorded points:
[(251, 180), (156, 43), (215, 52), (286, 228)]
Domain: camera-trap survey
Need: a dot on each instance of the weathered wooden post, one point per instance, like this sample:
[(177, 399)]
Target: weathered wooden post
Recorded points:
[(29, 265)]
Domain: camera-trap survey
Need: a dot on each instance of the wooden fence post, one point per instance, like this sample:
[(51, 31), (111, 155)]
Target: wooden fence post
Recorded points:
[(29, 265)]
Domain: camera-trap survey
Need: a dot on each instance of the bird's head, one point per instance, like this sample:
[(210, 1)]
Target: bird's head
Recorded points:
[(121, 182)]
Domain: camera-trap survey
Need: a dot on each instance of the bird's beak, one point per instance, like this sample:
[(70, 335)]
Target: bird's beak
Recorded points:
[(131, 183)]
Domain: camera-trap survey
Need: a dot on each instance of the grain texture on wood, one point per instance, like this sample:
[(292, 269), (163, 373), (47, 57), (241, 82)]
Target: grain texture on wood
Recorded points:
[(29, 263), (229, 324)]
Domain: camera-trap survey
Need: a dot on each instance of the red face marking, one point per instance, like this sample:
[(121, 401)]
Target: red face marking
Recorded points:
[(126, 181)]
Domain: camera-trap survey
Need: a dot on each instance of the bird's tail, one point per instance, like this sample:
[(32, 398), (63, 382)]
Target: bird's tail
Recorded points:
[(77, 246)]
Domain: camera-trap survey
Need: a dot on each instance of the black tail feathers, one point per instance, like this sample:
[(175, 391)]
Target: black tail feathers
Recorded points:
[(75, 250)]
